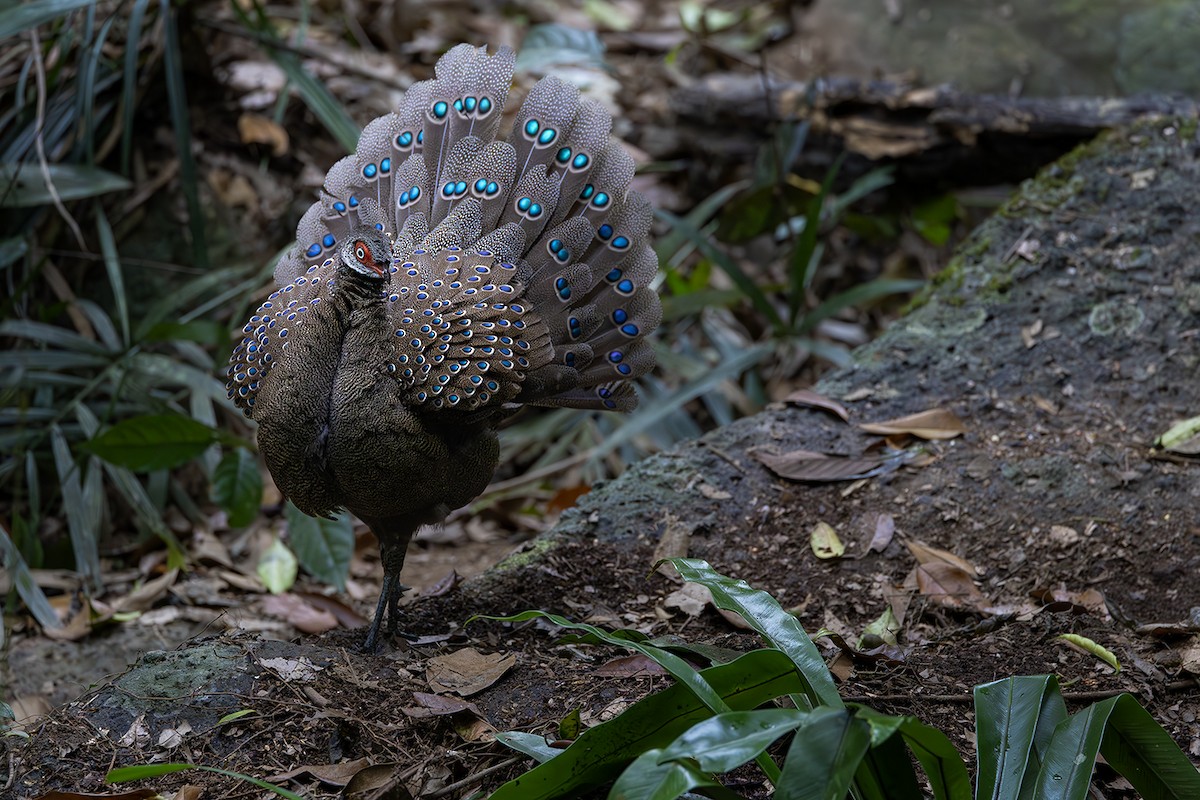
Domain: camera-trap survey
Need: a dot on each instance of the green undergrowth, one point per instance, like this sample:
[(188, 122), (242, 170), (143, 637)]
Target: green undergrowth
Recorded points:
[(778, 708)]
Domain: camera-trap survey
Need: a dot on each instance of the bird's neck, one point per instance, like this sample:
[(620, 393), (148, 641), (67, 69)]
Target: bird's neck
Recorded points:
[(358, 289)]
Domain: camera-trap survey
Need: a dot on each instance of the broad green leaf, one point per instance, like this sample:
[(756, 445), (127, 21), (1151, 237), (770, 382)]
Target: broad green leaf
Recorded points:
[(237, 486), (25, 184), (824, 756), (726, 741), (855, 296), (324, 546), (1008, 715), (647, 779), (655, 721), (886, 771), (1130, 741), (153, 442), (938, 757), (277, 568), (764, 614), (530, 744)]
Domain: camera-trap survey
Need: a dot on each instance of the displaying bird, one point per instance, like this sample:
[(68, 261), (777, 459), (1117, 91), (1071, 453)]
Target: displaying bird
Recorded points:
[(444, 279)]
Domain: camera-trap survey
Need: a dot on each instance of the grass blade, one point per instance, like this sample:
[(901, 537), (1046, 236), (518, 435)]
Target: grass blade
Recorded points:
[(116, 278), (180, 122)]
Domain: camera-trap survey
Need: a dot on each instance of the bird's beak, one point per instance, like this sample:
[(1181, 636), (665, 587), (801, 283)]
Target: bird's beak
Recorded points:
[(377, 270)]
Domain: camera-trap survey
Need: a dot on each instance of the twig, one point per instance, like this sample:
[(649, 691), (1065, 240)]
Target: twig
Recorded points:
[(39, 69), (471, 780)]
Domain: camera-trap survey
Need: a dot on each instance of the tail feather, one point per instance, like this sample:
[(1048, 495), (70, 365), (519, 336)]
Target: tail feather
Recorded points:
[(553, 241)]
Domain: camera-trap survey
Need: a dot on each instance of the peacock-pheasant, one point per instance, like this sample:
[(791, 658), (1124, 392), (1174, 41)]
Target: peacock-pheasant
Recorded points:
[(444, 279)]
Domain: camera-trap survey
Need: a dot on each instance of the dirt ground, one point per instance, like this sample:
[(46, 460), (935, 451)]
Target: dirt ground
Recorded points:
[(1063, 336)]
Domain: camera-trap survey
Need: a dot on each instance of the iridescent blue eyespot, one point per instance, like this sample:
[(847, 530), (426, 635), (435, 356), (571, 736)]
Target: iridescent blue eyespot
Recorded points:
[(493, 189), (460, 187), (414, 193), (630, 329), (620, 243), (369, 171), (547, 136), (625, 286), (574, 327), (458, 104), (601, 200), (339, 207), (532, 127), (587, 192), (604, 231), (614, 275), (535, 210), (405, 139), (313, 250), (524, 203), (420, 137), (619, 316), (485, 105), (564, 291), (440, 109), (403, 200), (580, 161), (556, 245), (564, 155), (481, 185), (385, 166), (615, 356), (469, 103), (448, 189), (329, 241), (353, 201)]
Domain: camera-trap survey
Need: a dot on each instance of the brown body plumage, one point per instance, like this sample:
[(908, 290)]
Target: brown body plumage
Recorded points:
[(443, 280)]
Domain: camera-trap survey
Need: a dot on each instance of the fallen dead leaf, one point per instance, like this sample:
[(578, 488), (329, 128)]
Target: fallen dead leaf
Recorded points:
[(257, 129), (466, 672), (825, 542), (936, 423), (691, 599), (1088, 601), (673, 543), (806, 465), (333, 774), (145, 596), (635, 666), (134, 794), (924, 554), (948, 585), (436, 705), (809, 398), (885, 531), (299, 613)]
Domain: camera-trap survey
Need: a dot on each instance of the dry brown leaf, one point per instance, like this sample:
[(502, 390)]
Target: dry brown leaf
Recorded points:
[(936, 423), (380, 782), (257, 129), (346, 616), (635, 666), (436, 705), (924, 554), (298, 613), (145, 596), (333, 774), (467, 671), (806, 465), (444, 586), (1089, 600), (885, 531), (809, 398), (949, 585)]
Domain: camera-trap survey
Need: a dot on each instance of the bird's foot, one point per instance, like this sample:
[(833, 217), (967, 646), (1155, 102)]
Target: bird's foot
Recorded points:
[(389, 607)]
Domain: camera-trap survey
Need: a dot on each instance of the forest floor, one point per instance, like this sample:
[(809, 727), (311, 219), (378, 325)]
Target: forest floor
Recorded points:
[(1064, 338)]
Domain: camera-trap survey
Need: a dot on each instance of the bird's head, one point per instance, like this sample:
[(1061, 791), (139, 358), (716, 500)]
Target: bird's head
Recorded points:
[(367, 252)]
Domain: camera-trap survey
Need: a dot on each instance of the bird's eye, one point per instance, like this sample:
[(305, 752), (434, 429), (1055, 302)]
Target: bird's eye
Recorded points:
[(360, 253)]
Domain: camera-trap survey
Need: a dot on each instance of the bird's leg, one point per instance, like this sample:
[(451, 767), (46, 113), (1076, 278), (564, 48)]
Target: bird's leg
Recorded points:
[(392, 553)]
